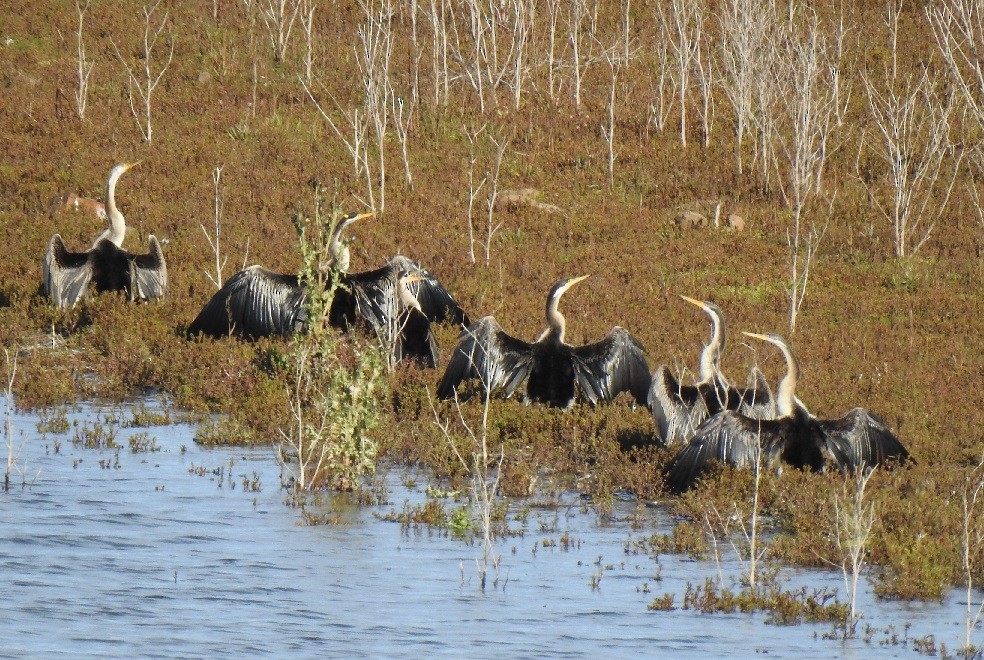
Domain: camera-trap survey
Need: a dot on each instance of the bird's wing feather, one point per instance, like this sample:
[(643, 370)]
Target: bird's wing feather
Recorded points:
[(611, 366), (485, 352), (757, 401), (66, 274), (254, 302), (150, 273), (860, 439), (678, 409), (727, 437), (435, 301)]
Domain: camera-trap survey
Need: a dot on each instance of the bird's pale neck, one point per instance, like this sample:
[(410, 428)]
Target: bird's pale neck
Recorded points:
[(406, 297), (786, 396), (117, 223), (710, 357), (556, 323), (337, 248)]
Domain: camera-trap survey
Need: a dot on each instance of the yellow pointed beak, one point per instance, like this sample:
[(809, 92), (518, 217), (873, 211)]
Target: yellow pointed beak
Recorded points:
[(130, 166), (694, 301), (755, 335), (575, 280), (362, 216)]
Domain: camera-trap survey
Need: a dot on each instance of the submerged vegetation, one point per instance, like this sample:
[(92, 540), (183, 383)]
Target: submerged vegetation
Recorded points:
[(656, 145)]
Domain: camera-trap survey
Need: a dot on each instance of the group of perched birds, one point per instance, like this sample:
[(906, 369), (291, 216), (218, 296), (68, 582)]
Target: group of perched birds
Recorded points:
[(711, 419)]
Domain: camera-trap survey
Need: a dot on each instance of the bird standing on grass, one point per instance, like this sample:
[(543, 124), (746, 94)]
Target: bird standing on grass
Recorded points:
[(553, 369), (106, 266)]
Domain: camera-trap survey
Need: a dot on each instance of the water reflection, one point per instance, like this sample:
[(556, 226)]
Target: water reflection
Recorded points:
[(165, 554)]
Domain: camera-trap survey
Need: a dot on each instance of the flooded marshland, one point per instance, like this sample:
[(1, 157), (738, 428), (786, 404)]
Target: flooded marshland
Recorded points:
[(161, 548)]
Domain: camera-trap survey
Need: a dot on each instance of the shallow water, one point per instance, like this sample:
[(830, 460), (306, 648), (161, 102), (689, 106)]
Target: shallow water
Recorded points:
[(152, 554)]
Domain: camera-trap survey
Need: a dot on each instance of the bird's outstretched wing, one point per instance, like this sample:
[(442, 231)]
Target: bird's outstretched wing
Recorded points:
[(729, 438), (756, 400), (677, 409), (611, 366), (436, 302), (149, 273), (253, 303), (66, 275), (375, 293), (860, 440), (485, 352)]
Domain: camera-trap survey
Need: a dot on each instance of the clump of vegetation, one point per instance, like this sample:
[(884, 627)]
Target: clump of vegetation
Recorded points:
[(53, 421), (143, 442), (784, 606), (95, 436), (141, 415), (333, 392)]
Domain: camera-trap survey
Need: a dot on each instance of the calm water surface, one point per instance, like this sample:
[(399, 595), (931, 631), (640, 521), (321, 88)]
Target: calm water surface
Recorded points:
[(152, 554)]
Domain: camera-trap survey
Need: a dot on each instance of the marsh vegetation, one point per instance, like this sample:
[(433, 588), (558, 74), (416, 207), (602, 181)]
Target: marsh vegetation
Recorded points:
[(846, 139)]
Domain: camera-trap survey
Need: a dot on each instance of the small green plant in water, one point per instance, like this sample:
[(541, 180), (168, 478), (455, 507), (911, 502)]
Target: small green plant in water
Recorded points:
[(334, 402), (95, 436), (143, 442)]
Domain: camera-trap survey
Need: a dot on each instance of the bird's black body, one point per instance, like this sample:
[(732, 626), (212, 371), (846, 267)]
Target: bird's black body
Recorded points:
[(552, 376), (553, 370), (105, 268)]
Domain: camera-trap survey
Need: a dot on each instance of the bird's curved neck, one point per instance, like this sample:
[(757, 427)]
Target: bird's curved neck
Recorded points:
[(117, 224), (786, 396), (710, 357), (406, 297), (556, 323), (338, 250)]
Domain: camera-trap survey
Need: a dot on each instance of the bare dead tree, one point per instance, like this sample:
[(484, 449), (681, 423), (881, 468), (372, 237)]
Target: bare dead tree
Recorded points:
[(681, 25), (307, 8), (500, 143), (147, 81), (11, 358), (373, 57), (614, 59), (581, 36), (662, 85), (958, 27), (809, 110), (747, 55), (278, 19), (523, 21), (840, 85), (403, 116), (355, 139), (914, 124), (553, 58), (436, 12), (854, 517), (707, 78), (893, 12), (972, 541), (473, 188), (84, 65), (214, 238), (485, 468)]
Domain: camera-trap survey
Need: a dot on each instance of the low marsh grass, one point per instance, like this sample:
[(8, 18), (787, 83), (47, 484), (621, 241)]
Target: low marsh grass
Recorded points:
[(95, 435)]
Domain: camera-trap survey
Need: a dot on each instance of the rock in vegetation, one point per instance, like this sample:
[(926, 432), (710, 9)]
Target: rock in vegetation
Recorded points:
[(691, 220)]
